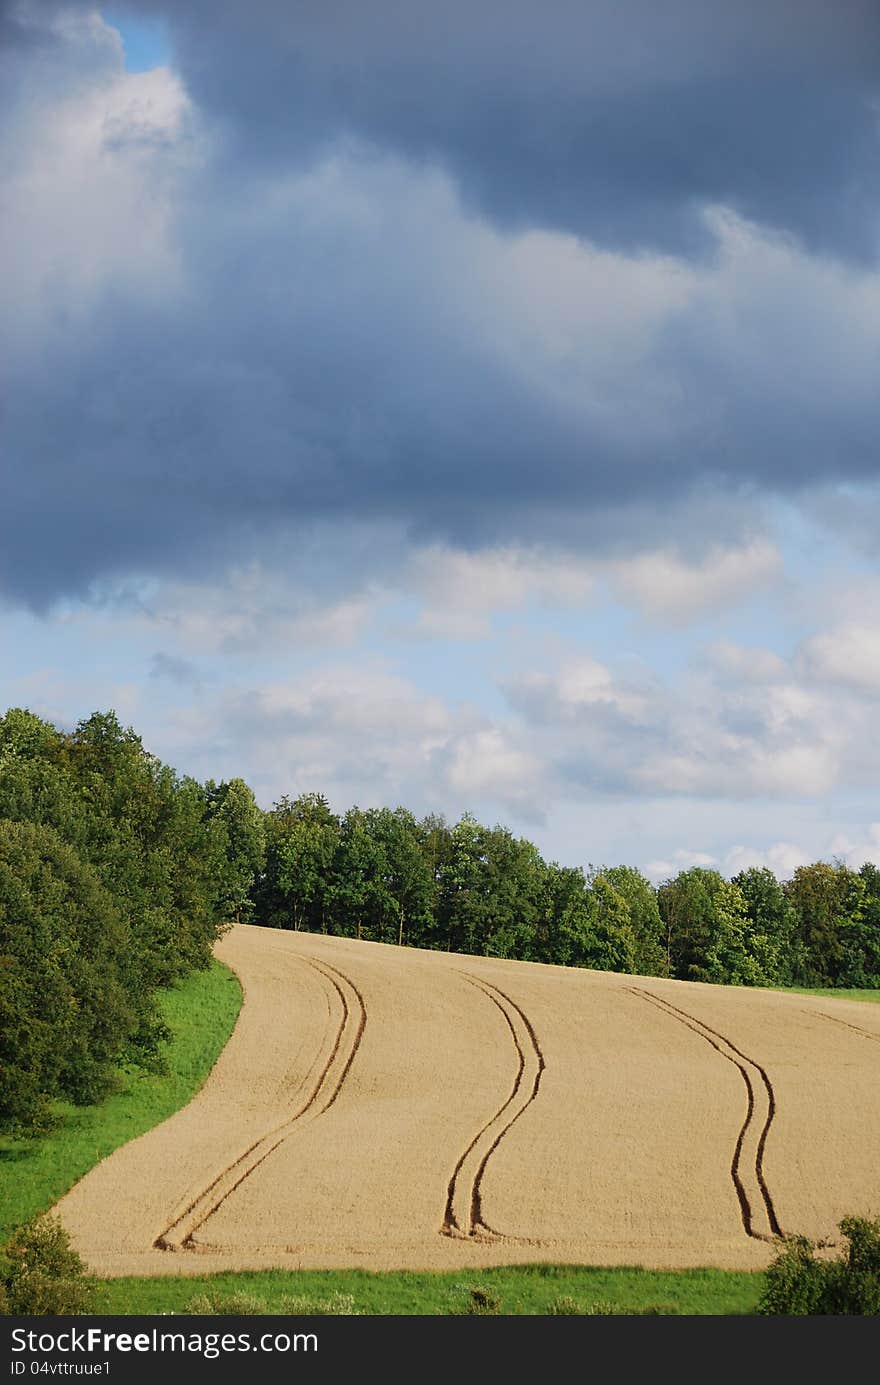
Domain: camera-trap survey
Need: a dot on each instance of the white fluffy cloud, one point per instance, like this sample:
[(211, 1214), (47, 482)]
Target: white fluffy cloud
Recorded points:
[(253, 611), (460, 591), (664, 585), (582, 689), (681, 859), (747, 664), (487, 764), (783, 858), (736, 724), (94, 176), (853, 850), (849, 655)]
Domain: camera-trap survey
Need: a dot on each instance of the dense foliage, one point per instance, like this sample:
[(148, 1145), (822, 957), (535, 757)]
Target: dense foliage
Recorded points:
[(40, 1272), (802, 1285), (385, 876), (117, 875)]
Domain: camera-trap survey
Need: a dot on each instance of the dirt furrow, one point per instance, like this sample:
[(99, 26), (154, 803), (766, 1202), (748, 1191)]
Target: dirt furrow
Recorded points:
[(757, 1210), (772, 1218), (347, 1033), (463, 1216), (865, 1033)]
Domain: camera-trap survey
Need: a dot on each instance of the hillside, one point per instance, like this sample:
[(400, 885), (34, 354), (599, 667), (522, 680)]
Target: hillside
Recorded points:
[(397, 1108)]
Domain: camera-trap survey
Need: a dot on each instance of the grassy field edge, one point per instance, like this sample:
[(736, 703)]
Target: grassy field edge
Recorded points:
[(871, 996), (201, 1013), (507, 1290)]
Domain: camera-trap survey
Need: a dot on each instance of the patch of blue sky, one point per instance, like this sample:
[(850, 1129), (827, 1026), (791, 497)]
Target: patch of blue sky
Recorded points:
[(453, 669), (69, 652), (146, 39)]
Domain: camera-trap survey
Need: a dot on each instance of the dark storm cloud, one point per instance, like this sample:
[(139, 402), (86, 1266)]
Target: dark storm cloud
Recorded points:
[(17, 30), (164, 445), (304, 387), (339, 351), (612, 120)]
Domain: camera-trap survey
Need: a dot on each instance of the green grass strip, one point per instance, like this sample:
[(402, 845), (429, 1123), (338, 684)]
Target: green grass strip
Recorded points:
[(201, 1012), (520, 1289), (835, 994)]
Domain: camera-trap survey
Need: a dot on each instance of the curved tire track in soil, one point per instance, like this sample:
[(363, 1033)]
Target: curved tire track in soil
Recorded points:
[(835, 1019), (351, 1021), (463, 1216), (758, 1213)]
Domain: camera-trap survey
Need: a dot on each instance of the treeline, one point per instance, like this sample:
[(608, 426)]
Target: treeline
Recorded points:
[(116, 877), (383, 875)]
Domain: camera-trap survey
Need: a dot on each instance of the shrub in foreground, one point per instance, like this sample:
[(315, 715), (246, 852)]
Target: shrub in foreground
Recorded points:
[(41, 1273), (799, 1284)]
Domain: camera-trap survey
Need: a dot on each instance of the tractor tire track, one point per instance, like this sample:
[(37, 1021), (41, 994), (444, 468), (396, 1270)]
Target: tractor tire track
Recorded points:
[(463, 1215), (759, 1222), (323, 1092), (856, 1029)]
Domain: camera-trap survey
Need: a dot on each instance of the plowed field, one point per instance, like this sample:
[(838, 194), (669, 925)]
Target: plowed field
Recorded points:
[(400, 1109)]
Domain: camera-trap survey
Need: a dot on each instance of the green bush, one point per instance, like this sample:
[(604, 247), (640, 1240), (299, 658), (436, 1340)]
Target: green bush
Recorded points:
[(41, 1273), (799, 1284)]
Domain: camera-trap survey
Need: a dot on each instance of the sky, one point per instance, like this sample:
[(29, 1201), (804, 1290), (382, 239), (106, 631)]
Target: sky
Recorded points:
[(468, 407)]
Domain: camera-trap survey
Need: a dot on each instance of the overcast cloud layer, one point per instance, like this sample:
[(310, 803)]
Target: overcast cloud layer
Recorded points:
[(455, 404)]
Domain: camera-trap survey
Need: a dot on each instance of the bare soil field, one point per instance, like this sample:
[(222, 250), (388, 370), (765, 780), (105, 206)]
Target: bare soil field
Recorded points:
[(401, 1109)]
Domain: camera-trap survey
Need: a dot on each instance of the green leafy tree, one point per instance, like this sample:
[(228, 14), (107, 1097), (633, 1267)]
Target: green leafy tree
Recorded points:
[(150, 843), (126, 828), (436, 845), (491, 895), (512, 883), (35, 780), (296, 886), (614, 946), (565, 926), (706, 924), (66, 1008), (771, 936), (585, 923), (305, 861), (829, 901), (644, 921), (404, 896), (27, 736), (862, 959), (462, 903), (240, 824), (359, 899)]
